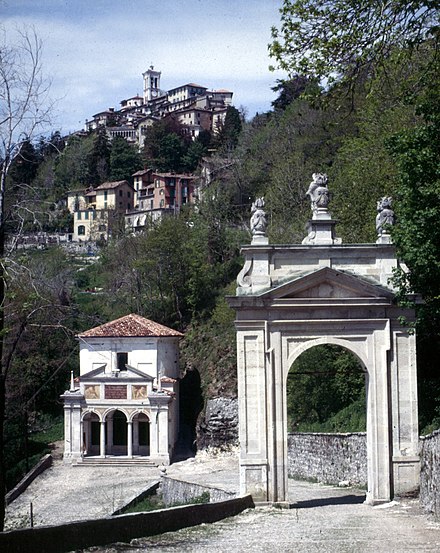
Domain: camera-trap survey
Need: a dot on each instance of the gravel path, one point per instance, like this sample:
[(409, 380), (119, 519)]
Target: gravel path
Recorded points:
[(65, 493), (322, 519)]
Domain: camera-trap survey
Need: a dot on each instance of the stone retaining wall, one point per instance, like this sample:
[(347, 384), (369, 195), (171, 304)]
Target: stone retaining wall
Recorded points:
[(178, 491), (328, 458), (122, 528), (430, 472), (40, 467)]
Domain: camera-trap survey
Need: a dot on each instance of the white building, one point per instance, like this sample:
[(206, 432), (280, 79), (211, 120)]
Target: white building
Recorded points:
[(125, 402)]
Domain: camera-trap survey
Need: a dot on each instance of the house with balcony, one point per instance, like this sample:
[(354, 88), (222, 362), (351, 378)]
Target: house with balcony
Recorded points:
[(158, 195), (125, 401)]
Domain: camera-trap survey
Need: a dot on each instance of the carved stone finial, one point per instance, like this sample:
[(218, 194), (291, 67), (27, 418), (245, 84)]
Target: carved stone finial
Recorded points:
[(385, 215), (318, 192), (258, 219)]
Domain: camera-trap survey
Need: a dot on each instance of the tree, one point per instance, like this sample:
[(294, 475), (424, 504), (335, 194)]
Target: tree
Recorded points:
[(289, 91), (124, 160), (165, 146), (24, 109), (99, 159), (339, 39), (229, 131)]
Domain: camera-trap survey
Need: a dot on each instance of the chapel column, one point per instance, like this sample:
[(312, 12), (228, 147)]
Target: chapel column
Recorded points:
[(102, 439), (129, 439)]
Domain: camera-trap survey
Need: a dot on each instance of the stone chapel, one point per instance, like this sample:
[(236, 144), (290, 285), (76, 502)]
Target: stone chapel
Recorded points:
[(125, 402)]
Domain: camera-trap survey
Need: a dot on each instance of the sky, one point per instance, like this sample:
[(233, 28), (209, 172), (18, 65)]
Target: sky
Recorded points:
[(95, 51)]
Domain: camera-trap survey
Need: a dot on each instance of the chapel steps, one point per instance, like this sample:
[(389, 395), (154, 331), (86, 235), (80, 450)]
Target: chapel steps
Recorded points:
[(116, 461)]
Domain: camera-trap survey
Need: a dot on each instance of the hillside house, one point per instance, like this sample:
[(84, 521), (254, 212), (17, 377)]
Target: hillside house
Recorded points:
[(126, 399), (159, 194), (97, 210)]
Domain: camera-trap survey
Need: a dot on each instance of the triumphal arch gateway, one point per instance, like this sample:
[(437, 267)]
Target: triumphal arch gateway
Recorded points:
[(293, 297)]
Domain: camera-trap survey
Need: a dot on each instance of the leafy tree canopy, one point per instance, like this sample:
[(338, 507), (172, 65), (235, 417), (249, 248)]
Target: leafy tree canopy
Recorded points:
[(339, 39), (124, 160)]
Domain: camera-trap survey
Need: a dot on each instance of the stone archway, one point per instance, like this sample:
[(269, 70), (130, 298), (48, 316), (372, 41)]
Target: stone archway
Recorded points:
[(290, 298)]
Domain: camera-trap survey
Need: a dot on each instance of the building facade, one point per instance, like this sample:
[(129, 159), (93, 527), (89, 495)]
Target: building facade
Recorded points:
[(96, 211), (126, 399)]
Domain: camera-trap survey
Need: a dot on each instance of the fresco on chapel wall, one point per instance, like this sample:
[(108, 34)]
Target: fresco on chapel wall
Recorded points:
[(92, 392), (139, 392)]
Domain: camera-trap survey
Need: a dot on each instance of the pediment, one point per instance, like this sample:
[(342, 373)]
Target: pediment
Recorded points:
[(131, 372), (327, 283)]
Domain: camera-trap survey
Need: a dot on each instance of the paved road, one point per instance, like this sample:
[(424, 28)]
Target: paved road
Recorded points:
[(322, 519)]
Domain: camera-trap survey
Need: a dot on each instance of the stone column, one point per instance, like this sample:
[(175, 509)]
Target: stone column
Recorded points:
[(136, 448), (159, 428), (378, 430), (129, 439), (73, 404), (102, 439)]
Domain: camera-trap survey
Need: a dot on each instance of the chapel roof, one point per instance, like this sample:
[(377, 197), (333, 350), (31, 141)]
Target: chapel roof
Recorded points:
[(130, 326)]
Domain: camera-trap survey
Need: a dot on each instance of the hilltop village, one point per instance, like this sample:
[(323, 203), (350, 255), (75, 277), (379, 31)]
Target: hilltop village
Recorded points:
[(195, 107)]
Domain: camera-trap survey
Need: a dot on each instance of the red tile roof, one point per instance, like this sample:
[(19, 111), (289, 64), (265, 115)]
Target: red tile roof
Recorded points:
[(109, 185), (130, 326)]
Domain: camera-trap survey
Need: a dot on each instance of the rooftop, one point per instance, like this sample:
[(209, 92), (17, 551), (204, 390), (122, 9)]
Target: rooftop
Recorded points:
[(130, 326), (115, 184)]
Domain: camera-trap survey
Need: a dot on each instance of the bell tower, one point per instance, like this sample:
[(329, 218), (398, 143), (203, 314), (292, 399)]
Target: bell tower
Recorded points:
[(151, 84)]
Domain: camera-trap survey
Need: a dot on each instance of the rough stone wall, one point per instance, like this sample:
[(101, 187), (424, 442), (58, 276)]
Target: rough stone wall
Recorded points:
[(328, 458), (219, 425), (122, 528), (430, 472)]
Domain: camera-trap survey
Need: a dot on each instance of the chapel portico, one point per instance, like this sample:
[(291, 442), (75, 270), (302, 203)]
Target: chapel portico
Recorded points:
[(291, 298)]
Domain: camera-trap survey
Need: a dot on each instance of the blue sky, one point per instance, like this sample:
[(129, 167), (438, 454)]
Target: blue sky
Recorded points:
[(95, 51)]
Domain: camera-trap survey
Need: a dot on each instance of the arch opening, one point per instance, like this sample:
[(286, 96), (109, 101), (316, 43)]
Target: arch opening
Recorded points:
[(326, 391)]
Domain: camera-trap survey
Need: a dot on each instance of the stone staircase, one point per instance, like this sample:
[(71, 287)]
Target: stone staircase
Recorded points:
[(116, 461)]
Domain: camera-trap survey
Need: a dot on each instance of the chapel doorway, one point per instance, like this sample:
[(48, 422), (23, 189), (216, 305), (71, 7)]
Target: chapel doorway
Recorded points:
[(91, 434)]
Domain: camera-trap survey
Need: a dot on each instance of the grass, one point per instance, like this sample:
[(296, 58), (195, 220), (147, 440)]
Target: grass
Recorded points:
[(154, 502)]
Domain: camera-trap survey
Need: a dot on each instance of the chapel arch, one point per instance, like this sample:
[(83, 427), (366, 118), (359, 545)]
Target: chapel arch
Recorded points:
[(116, 432), (141, 433), (91, 428)]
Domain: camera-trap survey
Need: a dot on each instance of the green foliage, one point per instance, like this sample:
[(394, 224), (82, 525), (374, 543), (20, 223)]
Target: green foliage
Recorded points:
[(166, 147), (124, 160), (72, 166), (323, 381), (228, 132), (99, 159), (341, 39)]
